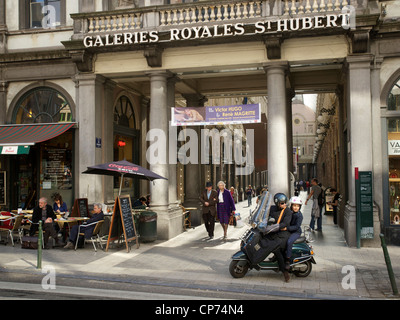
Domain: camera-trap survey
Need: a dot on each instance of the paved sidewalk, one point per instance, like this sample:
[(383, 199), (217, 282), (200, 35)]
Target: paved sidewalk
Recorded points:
[(190, 261)]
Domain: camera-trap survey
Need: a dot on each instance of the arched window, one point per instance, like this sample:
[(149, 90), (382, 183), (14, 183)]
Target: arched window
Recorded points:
[(124, 114), (42, 105), (393, 101)]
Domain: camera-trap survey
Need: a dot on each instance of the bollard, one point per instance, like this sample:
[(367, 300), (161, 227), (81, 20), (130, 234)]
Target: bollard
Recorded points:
[(39, 250), (389, 265)]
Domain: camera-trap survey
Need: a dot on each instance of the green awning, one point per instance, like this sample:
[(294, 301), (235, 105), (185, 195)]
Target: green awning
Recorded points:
[(12, 150)]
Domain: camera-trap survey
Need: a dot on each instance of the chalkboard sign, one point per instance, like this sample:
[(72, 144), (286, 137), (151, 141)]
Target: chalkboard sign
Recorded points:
[(3, 188), (81, 208), (122, 222), (366, 205)]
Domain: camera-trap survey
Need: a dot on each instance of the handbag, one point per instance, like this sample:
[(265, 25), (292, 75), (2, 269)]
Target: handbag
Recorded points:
[(232, 220), (29, 242)]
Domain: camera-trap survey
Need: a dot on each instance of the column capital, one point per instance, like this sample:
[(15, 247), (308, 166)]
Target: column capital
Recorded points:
[(356, 61), (160, 73), (276, 65)]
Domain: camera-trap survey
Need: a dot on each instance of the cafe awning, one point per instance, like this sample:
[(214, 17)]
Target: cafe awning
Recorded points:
[(13, 137)]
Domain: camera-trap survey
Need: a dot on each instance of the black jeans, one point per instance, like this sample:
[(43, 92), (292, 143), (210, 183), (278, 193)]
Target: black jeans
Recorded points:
[(209, 222)]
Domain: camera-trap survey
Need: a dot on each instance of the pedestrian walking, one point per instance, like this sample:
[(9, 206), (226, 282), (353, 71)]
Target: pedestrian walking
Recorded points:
[(209, 199), (249, 193), (316, 211), (225, 208), (334, 203), (234, 194)]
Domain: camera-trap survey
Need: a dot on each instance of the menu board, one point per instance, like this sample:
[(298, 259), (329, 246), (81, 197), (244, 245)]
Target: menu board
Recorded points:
[(3, 188), (122, 222), (366, 205), (81, 208), (56, 169)]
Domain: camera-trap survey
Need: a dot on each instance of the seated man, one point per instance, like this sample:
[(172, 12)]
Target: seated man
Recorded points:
[(73, 235), (45, 213), (140, 203)]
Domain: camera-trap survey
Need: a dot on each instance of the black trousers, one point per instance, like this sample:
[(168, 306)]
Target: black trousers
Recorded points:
[(209, 222), (48, 229), (276, 243)]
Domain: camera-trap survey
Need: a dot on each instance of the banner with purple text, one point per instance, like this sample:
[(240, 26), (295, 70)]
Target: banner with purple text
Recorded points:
[(202, 116)]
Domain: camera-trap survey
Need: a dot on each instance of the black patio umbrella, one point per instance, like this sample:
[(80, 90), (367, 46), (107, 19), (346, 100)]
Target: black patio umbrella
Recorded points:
[(123, 169)]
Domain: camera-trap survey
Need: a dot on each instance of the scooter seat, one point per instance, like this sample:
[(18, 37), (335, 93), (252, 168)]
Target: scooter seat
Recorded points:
[(300, 239)]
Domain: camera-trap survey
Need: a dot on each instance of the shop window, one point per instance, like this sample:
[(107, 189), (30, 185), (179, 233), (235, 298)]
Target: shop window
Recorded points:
[(394, 170), (393, 101), (123, 113), (42, 105), (44, 14), (126, 143)]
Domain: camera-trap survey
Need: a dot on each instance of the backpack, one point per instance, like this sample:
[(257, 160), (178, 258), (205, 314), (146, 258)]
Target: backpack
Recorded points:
[(321, 197)]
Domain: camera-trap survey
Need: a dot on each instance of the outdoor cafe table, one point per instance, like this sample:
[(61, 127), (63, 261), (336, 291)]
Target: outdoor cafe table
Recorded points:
[(63, 223)]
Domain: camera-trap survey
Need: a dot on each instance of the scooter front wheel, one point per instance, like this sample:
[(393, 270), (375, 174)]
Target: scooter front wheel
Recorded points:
[(238, 268)]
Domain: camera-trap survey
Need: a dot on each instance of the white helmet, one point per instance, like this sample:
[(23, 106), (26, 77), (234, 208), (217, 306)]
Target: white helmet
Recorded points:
[(296, 200)]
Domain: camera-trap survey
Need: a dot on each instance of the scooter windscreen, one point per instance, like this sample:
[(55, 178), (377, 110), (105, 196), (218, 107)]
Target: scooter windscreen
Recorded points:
[(262, 211)]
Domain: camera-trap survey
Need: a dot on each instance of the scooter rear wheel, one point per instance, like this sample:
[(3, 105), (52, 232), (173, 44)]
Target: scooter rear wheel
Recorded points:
[(304, 271), (238, 270)]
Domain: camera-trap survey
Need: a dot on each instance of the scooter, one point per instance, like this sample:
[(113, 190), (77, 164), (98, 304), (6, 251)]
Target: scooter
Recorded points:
[(300, 262)]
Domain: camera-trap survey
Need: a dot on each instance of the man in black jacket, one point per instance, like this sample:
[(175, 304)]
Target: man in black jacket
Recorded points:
[(277, 235), (44, 212), (73, 235)]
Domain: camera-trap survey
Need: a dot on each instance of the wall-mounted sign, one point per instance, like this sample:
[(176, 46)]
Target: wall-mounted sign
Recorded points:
[(200, 116), (279, 25), (14, 150), (394, 148)]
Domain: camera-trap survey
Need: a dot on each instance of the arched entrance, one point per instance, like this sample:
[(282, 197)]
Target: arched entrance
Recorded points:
[(46, 166)]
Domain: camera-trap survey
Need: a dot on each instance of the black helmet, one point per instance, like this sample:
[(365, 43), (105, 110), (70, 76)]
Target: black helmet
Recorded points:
[(279, 198)]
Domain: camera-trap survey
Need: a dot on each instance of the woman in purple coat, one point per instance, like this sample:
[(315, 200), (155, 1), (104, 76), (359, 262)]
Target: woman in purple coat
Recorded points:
[(225, 208)]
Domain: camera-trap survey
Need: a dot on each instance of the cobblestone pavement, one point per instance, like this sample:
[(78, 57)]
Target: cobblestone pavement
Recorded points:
[(189, 260)]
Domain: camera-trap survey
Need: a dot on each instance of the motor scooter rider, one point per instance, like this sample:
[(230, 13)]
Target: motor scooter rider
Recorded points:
[(277, 235), (295, 226)]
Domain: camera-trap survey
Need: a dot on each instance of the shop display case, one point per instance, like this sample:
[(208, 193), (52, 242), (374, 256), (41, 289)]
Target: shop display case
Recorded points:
[(394, 196)]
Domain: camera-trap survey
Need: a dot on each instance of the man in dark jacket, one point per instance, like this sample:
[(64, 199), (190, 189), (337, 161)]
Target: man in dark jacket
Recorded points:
[(73, 235), (44, 212), (277, 239), (209, 199)]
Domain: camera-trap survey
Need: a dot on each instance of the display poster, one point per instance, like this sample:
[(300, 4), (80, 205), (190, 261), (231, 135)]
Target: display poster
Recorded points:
[(201, 116)]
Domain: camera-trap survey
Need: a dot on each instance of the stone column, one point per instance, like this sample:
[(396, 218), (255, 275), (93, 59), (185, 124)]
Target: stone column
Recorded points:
[(90, 118), (3, 101), (278, 174), (144, 111), (159, 121), (360, 137), (193, 182), (172, 185), (108, 136), (169, 221), (3, 27), (289, 96)]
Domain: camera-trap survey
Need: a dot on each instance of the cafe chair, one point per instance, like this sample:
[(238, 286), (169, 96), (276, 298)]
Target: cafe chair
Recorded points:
[(186, 218), (95, 237), (16, 228)]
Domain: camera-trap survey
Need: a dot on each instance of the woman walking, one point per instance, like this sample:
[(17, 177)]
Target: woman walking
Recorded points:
[(225, 208)]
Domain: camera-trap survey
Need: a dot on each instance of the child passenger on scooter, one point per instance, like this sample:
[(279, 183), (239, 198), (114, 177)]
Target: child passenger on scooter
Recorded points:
[(295, 226)]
